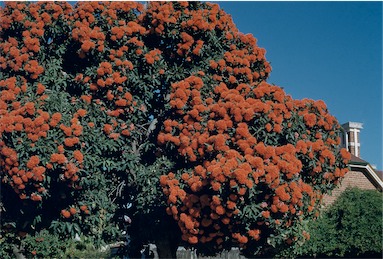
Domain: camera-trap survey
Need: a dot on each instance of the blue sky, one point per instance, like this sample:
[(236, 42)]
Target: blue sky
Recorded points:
[(330, 51)]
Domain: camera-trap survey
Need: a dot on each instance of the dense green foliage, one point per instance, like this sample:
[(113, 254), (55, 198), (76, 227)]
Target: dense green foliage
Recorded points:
[(351, 227)]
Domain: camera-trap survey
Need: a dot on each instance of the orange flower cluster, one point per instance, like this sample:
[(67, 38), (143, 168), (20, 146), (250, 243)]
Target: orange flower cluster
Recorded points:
[(16, 58), (32, 44), (52, 134), (202, 19), (128, 29), (186, 45), (58, 158), (162, 14), (125, 37), (153, 56), (231, 133), (67, 213), (106, 75), (33, 68), (17, 54), (18, 178), (239, 140), (166, 14), (69, 166), (88, 31), (90, 38), (22, 118), (33, 162)]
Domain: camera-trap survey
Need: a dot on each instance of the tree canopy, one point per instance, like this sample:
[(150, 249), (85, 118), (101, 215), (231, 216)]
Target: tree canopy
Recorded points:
[(164, 107)]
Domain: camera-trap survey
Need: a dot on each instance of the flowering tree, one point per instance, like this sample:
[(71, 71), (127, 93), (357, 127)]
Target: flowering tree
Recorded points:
[(168, 105)]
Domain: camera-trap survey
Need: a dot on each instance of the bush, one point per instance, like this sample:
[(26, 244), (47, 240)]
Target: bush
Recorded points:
[(46, 245), (351, 227), (110, 104)]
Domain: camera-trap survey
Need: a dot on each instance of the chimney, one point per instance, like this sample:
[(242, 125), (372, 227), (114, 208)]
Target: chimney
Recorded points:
[(351, 138)]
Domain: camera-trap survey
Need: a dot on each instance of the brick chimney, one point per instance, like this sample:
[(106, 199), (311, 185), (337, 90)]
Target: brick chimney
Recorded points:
[(351, 137)]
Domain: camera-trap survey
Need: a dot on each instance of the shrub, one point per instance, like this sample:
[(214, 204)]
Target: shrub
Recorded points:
[(9, 241), (44, 245), (109, 103), (351, 227)]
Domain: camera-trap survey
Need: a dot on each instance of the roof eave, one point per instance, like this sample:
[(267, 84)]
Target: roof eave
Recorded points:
[(369, 170)]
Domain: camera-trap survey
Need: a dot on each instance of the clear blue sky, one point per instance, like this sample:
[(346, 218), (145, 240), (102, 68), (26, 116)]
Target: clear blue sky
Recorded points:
[(330, 51)]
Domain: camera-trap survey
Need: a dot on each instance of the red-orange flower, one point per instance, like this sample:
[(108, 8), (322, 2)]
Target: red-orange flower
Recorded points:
[(310, 119), (78, 156), (65, 213), (81, 112), (33, 161), (58, 158), (72, 211), (108, 128), (40, 88), (70, 142), (193, 240), (266, 214)]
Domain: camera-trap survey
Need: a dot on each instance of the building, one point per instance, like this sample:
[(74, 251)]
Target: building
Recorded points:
[(361, 174)]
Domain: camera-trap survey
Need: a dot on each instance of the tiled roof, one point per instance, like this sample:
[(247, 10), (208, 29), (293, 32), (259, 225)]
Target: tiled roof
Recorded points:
[(379, 174), (358, 163), (356, 159)]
